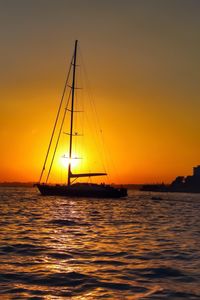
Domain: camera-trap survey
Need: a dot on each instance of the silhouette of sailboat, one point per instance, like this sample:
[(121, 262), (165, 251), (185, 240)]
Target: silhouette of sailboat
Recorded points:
[(72, 189)]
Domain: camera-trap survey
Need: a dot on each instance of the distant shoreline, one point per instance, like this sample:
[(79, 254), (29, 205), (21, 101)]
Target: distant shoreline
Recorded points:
[(31, 184), (16, 184)]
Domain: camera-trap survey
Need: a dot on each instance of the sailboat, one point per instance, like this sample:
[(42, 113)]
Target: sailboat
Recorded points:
[(72, 189)]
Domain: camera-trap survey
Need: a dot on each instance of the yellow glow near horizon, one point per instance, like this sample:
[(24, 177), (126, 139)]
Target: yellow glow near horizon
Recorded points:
[(145, 84)]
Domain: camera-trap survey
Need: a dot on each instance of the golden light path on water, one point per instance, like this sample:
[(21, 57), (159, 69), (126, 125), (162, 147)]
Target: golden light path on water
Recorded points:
[(131, 248)]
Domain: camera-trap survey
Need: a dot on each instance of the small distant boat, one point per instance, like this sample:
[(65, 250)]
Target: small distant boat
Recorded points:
[(71, 189), (156, 198)]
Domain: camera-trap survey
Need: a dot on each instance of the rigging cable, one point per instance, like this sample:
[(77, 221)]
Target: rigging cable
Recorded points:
[(96, 125), (55, 149), (56, 121)]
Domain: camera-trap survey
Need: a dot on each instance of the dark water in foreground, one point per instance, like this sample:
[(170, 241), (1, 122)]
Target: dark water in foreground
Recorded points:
[(137, 248)]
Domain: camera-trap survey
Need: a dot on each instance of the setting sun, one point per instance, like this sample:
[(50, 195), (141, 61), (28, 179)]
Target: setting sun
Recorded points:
[(146, 89), (64, 161)]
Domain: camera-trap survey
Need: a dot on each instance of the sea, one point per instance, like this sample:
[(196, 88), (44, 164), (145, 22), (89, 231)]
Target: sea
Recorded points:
[(146, 246)]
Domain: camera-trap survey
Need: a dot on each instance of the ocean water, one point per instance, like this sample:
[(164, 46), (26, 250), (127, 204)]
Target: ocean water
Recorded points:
[(134, 248)]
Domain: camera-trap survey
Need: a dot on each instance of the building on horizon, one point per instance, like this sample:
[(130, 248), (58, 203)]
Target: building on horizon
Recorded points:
[(183, 184), (196, 171)]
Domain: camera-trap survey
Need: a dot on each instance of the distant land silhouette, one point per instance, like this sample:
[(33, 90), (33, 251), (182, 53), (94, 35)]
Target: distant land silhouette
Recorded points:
[(181, 184), (17, 184), (31, 184)]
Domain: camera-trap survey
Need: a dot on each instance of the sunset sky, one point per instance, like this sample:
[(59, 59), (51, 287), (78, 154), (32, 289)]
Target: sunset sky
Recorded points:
[(143, 61)]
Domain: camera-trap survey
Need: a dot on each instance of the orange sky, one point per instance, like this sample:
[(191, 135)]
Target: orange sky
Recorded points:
[(142, 59)]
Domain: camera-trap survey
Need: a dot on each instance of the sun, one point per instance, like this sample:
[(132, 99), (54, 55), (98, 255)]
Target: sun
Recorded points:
[(64, 161)]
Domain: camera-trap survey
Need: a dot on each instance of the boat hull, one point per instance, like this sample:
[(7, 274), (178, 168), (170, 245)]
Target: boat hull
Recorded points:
[(82, 190)]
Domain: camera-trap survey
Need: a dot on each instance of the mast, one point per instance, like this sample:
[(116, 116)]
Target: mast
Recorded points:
[(72, 111)]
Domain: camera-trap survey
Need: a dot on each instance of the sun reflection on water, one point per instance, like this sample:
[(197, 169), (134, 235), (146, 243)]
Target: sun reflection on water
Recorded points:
[(134, 248)]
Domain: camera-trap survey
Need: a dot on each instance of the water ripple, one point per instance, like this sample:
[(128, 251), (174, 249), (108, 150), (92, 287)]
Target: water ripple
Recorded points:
[(137, 248)]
